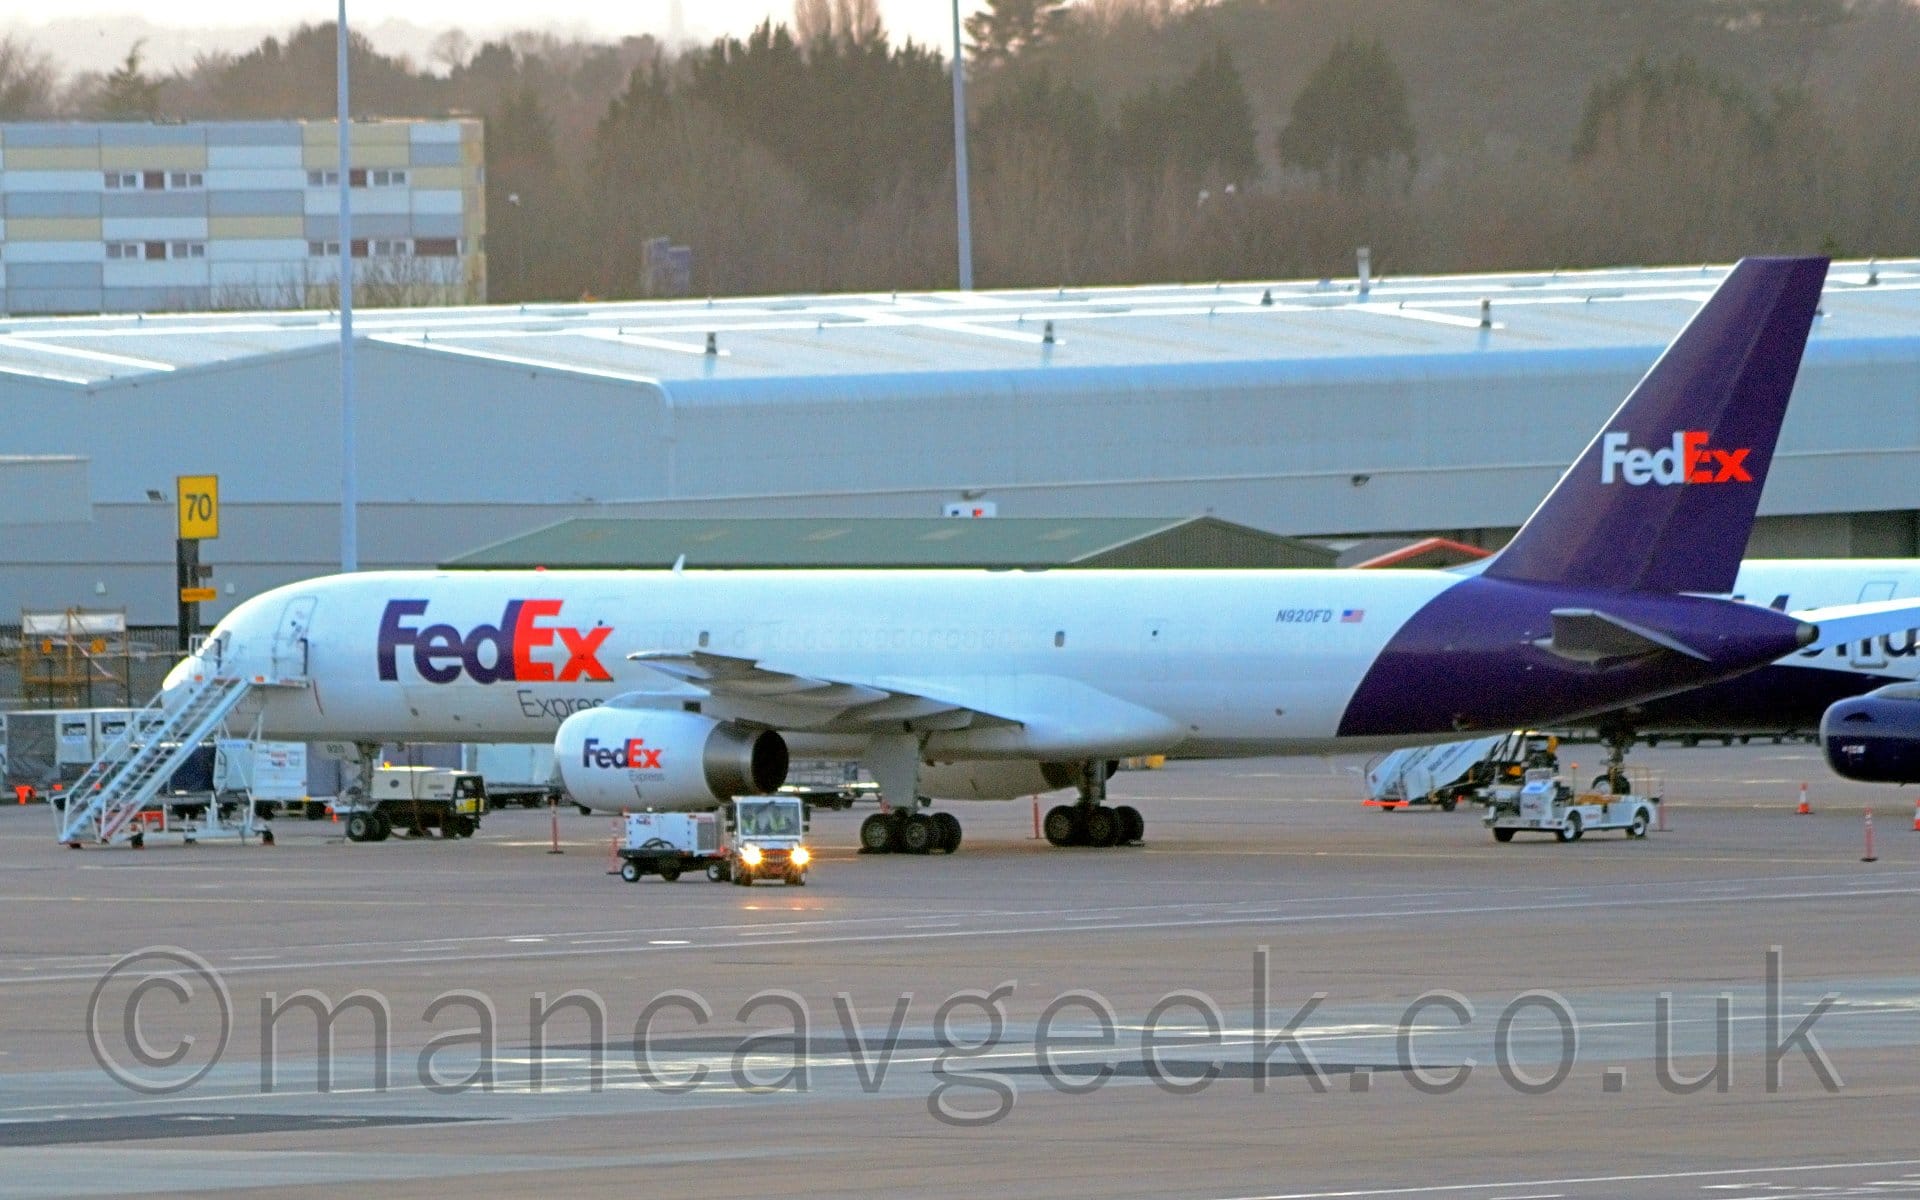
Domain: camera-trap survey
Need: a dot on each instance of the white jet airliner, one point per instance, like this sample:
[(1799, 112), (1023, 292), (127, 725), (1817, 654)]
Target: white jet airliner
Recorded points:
[(676, 689)]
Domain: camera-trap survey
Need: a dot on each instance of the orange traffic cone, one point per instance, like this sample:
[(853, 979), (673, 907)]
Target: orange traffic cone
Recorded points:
[(1806, 810)]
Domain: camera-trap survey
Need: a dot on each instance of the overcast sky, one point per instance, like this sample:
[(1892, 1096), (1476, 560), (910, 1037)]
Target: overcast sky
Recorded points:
[(89, 32)]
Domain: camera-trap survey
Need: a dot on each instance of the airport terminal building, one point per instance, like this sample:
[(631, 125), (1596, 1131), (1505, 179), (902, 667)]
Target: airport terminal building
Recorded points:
[(1331, 409)]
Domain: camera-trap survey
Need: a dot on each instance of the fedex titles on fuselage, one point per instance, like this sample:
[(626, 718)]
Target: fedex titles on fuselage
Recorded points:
[(527, 645), (1689, 459)]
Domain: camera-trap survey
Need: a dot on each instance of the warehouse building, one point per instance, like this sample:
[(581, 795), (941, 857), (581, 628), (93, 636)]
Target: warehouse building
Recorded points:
[(1328, 410), (899, 543), (148, 218)]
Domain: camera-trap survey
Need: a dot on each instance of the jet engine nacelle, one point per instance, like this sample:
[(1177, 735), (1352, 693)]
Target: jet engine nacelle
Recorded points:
[(996, 780), (614, 758), (1875, 738)]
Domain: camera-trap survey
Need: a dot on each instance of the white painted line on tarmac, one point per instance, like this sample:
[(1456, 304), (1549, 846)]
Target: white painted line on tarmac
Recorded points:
[(828, 932), (1651, 1177)]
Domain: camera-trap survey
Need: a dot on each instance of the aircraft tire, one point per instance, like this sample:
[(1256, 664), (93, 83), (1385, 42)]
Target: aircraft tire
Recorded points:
[(950, 832), (1102, 827), (1133, 826), (876, 834), (919, 834), (360, 828), (1062, 826)]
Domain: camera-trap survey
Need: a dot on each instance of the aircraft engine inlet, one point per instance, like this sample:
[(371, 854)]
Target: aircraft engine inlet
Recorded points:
[(1875, 738)]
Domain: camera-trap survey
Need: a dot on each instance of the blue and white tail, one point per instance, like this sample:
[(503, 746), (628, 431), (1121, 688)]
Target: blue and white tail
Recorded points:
[(1663, 498)]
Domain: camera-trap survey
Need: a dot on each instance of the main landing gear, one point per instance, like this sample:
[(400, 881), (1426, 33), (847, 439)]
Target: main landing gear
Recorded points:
[(1088, 821), (895, 761), (1619, 740), (910, 832)]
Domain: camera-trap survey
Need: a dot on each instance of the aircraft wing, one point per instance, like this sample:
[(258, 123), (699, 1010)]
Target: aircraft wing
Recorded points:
[(743, 689), (1842, 623)]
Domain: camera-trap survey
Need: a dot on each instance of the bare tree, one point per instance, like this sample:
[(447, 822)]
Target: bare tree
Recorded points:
[(452, 50), (846, 22), (27, 81)]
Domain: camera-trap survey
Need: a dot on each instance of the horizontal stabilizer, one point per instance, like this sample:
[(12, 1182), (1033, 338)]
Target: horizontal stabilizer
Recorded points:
[(1851, 622), (1590, 636)]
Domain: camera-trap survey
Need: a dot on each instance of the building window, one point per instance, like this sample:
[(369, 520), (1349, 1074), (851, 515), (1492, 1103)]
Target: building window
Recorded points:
[(189, 250), (437, 247), (154, 181), (359, 177), (117, 250), (155, 251)]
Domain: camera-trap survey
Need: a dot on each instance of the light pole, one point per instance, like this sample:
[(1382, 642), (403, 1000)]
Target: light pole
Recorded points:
[(349, 475), (513, 201), (963, 213)]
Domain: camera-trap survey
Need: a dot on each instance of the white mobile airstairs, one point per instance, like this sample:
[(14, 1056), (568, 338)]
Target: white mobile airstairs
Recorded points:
[(105, 804)]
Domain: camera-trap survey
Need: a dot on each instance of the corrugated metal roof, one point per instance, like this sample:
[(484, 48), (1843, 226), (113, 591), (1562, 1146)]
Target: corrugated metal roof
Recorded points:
[(1012, 542), (835, 338)]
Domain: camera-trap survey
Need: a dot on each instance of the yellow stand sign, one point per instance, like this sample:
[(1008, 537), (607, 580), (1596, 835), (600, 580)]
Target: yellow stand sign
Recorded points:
[(199, 506)]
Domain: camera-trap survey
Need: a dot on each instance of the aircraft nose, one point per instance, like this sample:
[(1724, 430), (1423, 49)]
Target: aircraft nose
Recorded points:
[(180, 676)]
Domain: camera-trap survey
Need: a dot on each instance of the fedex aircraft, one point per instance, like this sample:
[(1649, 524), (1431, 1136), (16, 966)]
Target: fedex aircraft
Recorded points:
[(1792, 694), (678, 689)]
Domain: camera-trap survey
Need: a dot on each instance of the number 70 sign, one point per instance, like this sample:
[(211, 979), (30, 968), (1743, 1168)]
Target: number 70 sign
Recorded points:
[(199, 506)]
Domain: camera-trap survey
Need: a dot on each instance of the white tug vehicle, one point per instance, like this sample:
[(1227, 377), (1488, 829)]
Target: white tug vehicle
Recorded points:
[(1545, 803)]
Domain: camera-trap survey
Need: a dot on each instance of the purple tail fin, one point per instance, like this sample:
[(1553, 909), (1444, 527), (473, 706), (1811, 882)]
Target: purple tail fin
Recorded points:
[(1663, 497)]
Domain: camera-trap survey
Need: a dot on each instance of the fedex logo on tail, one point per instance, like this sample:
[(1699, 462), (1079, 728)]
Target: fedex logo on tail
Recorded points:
[(633, 754), (1687, 460), (527, 646)]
